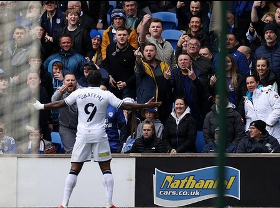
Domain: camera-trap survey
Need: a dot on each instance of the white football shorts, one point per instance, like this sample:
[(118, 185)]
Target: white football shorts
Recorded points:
[(82, 151)]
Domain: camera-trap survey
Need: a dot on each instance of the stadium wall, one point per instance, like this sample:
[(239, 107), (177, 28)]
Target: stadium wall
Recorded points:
[(29, 181)]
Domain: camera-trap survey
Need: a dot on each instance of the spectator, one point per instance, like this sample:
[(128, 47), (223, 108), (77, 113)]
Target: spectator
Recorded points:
[(119, 63), (262, 103), (148, 142), (180, 129), (52, 19), (55, 68), (132, 121), (68, 116), (133, 15), (255, 34), (206, 52), (196, 31), (88, 66), (109, 35), (165, 51), (235, 124), (95, 55), (80, 36), (97, 10), (71, 60), (152, 80), (193, 48), (248, 53), (162, 6), (35, 65), (186, 10), (16, 53), (41, 42), (8, 23), (270, 49), (187, 81), (36, 144), (213, 147), (150, 114), (258, 140), (86, 21), (236, 85), (265, 75), (6, 100), (34, 92), (115, 125), (239, 57), (34, 12), (7, 143)]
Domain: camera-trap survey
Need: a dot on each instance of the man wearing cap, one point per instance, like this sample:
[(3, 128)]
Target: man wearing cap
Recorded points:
[(270, 49), (118, 20), (258, 140), (150, 114)]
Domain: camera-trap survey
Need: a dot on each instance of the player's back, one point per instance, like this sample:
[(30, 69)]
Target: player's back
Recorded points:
[(92, 103)]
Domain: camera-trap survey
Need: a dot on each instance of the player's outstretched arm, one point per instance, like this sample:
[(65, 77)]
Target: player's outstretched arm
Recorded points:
[(134, 106), (54, 105)]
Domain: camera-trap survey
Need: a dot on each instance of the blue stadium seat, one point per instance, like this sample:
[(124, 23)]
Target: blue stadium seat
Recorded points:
[(199, 142), (169, 19), (112, 5), (172, 36), (56, 140)]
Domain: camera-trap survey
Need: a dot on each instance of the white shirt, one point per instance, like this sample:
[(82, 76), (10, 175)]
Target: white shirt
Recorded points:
[(92, 103)]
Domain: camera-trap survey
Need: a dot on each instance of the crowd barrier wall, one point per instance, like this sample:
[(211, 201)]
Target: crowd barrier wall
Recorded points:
[(38, 180)]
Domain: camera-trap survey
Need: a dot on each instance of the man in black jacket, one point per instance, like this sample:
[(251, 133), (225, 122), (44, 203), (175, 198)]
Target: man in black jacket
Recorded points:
[(258, 140), (148, 142)]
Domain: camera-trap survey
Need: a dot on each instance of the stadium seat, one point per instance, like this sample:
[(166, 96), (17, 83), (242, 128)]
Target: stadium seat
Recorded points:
[(199, 142), (56, 139), (172, 36), (169, 19)]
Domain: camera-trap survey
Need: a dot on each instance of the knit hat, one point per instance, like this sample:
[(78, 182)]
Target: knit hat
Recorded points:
[(217, 129), (153, 110), (260, 125), (95, 34), (117, 13), (270, 26)]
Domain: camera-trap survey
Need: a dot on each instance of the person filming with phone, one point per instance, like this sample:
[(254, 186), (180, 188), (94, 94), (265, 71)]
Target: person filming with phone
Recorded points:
[(189, 82)]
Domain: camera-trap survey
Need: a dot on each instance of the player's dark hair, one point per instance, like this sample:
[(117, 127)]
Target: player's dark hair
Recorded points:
[(94, 78)]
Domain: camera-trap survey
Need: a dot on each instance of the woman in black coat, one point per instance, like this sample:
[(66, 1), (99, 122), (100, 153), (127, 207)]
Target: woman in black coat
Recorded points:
[(180, 129)]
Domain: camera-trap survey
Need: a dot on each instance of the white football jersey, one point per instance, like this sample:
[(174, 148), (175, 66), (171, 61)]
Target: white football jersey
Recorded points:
[(92, 103)]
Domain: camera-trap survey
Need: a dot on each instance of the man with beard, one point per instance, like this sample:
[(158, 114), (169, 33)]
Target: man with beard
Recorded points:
[(270, 49), (68, 115), (152, 80)]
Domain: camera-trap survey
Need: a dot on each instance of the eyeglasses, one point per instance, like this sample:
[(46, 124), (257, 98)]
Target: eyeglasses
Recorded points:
[(194, 45)]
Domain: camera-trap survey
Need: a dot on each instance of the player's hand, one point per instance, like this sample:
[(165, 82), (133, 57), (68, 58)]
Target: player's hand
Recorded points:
[(38, 106), (153, 104)]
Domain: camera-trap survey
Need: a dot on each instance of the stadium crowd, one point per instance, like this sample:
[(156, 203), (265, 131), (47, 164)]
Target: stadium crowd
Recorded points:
[(47, 49)]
